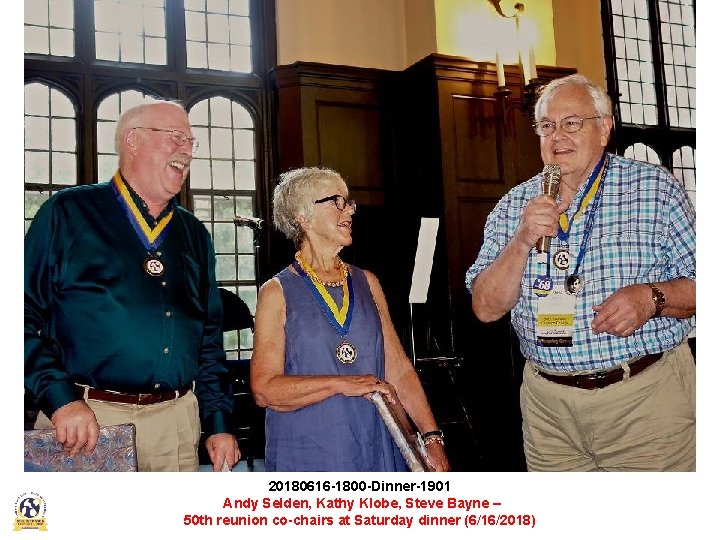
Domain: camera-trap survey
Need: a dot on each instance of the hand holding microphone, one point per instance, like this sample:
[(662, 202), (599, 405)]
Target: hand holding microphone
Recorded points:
[(550, 186)]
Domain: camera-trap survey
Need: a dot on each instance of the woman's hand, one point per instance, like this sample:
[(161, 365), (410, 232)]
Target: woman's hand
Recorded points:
[(436, 457), (364, 385)]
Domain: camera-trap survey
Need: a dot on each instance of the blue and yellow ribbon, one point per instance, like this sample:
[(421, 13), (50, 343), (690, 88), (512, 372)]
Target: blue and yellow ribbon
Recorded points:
[(590, 191), (340, 318), (151, 237)]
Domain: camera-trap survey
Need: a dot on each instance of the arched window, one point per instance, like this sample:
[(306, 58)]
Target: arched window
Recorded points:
[(650, 61), (222, 186), (50, 145), (642, 152)]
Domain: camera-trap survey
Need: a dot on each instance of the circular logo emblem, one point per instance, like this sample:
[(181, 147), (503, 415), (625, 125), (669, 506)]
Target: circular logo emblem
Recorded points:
[(154, 267), (561, 259), (346, 352), (30, 512)]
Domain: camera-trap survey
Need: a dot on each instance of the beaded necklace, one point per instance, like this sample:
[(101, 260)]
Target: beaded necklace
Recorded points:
[(311, 273)]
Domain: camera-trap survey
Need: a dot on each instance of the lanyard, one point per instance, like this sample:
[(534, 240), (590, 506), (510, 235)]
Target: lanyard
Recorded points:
[(592, 192), (588, 195)]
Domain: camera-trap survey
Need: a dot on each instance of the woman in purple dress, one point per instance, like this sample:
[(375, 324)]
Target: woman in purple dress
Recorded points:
[(324, 342)]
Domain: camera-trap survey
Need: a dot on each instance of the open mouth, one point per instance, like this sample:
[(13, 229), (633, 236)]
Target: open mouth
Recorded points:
[(179, 165), (346, 225)]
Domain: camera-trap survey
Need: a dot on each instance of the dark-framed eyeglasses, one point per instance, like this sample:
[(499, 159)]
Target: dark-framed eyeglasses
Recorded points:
[(569, 124), (340, 202), (176, 136)]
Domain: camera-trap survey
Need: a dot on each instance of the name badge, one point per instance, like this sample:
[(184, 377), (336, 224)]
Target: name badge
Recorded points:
[(555, 319)]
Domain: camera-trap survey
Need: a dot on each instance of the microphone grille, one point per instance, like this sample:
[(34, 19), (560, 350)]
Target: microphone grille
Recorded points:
[(551, 172)]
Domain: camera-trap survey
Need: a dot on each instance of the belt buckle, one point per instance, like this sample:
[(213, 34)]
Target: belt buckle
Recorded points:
[(597, 377)]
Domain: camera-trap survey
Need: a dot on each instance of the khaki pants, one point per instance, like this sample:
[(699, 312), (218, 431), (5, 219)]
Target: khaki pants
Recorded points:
[(167, 433), (644, 423)]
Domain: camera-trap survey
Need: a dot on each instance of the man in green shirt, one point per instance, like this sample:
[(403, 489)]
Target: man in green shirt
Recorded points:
[(122, 310)]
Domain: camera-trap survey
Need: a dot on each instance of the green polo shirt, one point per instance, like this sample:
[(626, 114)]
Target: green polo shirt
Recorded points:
[(94, 316)]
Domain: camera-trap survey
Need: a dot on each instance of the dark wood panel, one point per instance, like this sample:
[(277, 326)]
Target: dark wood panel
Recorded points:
[(472, 215), (349, 138), (475, 138)]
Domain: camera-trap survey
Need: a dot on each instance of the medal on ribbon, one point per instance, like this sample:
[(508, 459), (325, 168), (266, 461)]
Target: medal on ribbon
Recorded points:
[(153, 267), (151, 237), (574, 283), (340, 318)]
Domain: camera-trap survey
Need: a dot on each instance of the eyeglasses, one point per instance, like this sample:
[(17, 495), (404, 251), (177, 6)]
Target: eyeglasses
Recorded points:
[(570, 124), (176, 136), (340, 202)]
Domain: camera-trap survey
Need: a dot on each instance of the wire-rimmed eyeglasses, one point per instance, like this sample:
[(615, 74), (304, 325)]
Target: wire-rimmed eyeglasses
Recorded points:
[(176, 136), (569, 124), (340, 202)]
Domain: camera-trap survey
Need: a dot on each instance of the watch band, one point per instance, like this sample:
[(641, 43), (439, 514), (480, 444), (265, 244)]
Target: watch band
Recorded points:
[(659, 299)]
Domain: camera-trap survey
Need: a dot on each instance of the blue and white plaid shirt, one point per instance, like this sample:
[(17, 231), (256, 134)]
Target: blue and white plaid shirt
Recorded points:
[(644, 232)]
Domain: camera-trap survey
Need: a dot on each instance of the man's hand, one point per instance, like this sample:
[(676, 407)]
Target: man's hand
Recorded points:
[(76, 427), (540, 218), (222, 447), (624, 311)]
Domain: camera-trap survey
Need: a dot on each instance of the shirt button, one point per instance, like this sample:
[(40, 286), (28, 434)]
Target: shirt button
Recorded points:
[(159, 253), (168, 313), (166, 350), (163, 283), (157, 385)]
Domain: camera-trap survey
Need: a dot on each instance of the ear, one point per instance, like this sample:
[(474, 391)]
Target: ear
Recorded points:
[(303, 222), (131, 141), (607, 125)]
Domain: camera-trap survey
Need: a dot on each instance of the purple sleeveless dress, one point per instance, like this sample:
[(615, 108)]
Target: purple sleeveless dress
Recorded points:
[(340, 433)]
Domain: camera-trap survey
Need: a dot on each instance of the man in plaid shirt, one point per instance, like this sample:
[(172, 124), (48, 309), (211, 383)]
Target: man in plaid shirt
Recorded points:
[(603, 315)]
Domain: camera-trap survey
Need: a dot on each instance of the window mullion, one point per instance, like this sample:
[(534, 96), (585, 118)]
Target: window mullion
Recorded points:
[(658, 67)]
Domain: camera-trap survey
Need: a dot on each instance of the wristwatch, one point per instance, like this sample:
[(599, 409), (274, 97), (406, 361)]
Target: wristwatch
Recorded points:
[(659, 299)]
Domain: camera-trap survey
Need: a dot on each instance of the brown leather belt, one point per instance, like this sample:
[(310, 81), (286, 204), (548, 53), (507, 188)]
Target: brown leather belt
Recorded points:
[(601, 379), (135, 399)]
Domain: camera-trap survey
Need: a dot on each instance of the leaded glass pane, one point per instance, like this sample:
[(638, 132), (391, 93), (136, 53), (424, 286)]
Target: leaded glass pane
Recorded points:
[(50, 27), (218, 35), (130, 31), (633, 60), (217, 195)]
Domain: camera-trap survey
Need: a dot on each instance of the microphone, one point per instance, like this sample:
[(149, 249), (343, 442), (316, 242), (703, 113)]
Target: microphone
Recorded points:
[(550, 186), (252, 222)]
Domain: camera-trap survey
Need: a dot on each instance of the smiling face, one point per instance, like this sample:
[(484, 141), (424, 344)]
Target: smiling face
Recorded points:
[(155, 166), (576, 153)]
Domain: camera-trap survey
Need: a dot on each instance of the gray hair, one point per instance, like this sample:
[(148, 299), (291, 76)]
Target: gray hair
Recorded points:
[(294, 197), (602, 102), (130, 117)]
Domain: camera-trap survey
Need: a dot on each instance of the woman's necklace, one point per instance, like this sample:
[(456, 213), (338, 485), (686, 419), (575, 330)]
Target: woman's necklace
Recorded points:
[(339, 317), (311, 273)]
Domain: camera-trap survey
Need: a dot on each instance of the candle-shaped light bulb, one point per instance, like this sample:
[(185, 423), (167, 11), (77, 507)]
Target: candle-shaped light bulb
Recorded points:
[(500, 69), (533, 70)]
